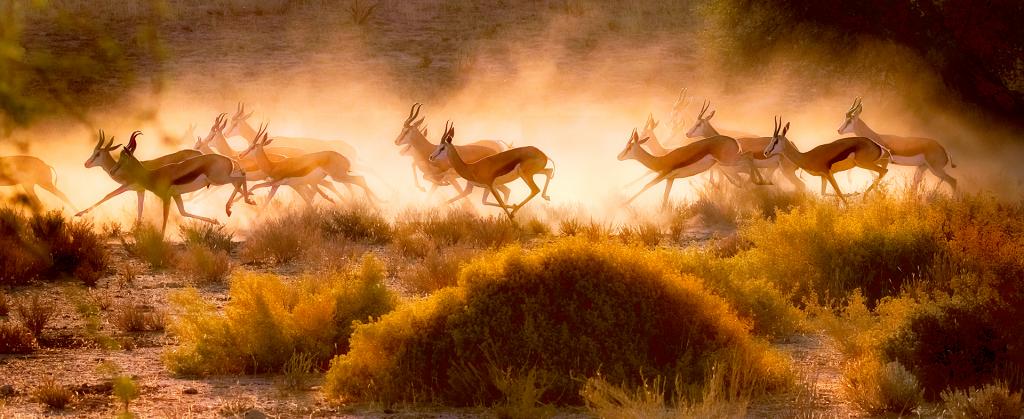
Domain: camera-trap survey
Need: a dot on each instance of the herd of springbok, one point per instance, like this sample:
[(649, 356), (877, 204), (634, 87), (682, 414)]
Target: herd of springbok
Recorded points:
[(308, 166)]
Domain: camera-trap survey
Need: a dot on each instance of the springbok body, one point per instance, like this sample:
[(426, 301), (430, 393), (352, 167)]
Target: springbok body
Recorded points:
[(308, 169), (752, 146), (438, 172), (170, 181), (827, 159), (101, 157), (493, 171), (685, 161), (29, 172), (922, 153)]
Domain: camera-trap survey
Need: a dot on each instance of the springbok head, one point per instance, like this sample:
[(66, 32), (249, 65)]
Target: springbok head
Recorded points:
[(411, 126), (632, 144), (127, 153), (445, 146), (100, 149), (649, 126), (261, 140), (779, 139), (677, 117), (218, 126), (702, 128), (852, 116), (237, 119)]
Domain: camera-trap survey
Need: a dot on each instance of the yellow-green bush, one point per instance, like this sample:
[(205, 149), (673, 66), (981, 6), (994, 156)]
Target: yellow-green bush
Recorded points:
[(567, 309), (268, 320), (878, 388), (827, 251), (990, 402)]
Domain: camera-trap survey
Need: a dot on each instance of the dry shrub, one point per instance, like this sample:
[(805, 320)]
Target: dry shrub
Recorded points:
[(35, 313), (16, 339), (413, 244), (951, 346), (146, 242), (878, 388), (126, 275), (521, 392), (989, 402), (437, 270), (605, 307), (646, 234), (46, 245), (591, 230), (355, 222), (52, 394), (298, 371), (210, 236), (453, 227), (267, 320), (282, 238), (204, 266), (5, 304), (132, 317)]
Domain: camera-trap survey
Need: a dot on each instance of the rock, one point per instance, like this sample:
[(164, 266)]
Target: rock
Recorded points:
[(7, 390), (190, 390)]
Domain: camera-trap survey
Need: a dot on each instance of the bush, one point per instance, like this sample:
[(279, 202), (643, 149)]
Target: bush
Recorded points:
[(949, 346), (989, 402), (203, 265), (283, 238), (52, 394), (267, 321), (131, 317), (206, 235), (35, 313), (878, 388), (567, 309), (436, 271), (461, 227), (825, 251), (146, 242), (5, 304), (646, 234), (16, 339), (356, 222), (47, 245)]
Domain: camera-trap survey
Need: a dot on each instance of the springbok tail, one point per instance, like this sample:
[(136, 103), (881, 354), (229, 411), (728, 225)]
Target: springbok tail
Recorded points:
[(950, 158)]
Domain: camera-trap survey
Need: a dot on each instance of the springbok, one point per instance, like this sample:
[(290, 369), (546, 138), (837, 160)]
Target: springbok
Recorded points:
[(685, 161), (521, 162), (678, 119), (922, 153), (308, 169), (286, 146), (102, 157), (170, 181), (250, 162), (752, 145), (29, 172), (827, 159), (438, 172)]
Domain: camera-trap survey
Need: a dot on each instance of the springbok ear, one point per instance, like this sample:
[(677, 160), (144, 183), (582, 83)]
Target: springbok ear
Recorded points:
[(785, 129), (710, 115), (643, 140), (633, 136)]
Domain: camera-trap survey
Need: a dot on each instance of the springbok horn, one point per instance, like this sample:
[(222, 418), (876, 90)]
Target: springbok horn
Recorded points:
[(99, 145), (132, 143)]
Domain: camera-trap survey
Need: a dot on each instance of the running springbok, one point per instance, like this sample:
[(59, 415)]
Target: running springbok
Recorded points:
[(749, 144), (249, 162), (29, 172), (688, 160), (102, 157), (308, 169), (439, 172), (170, 181), (827, 159), (491, 171), (922, 153)]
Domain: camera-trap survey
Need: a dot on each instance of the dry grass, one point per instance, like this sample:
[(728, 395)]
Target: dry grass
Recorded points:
[(132, 317), (991, 401), (5, 304), (878, 388), (212, 237), (204, 266), (52, 394), (298, 371), (35, 313), (16, 339), (146, 242), (126, 275), (437, 270)]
